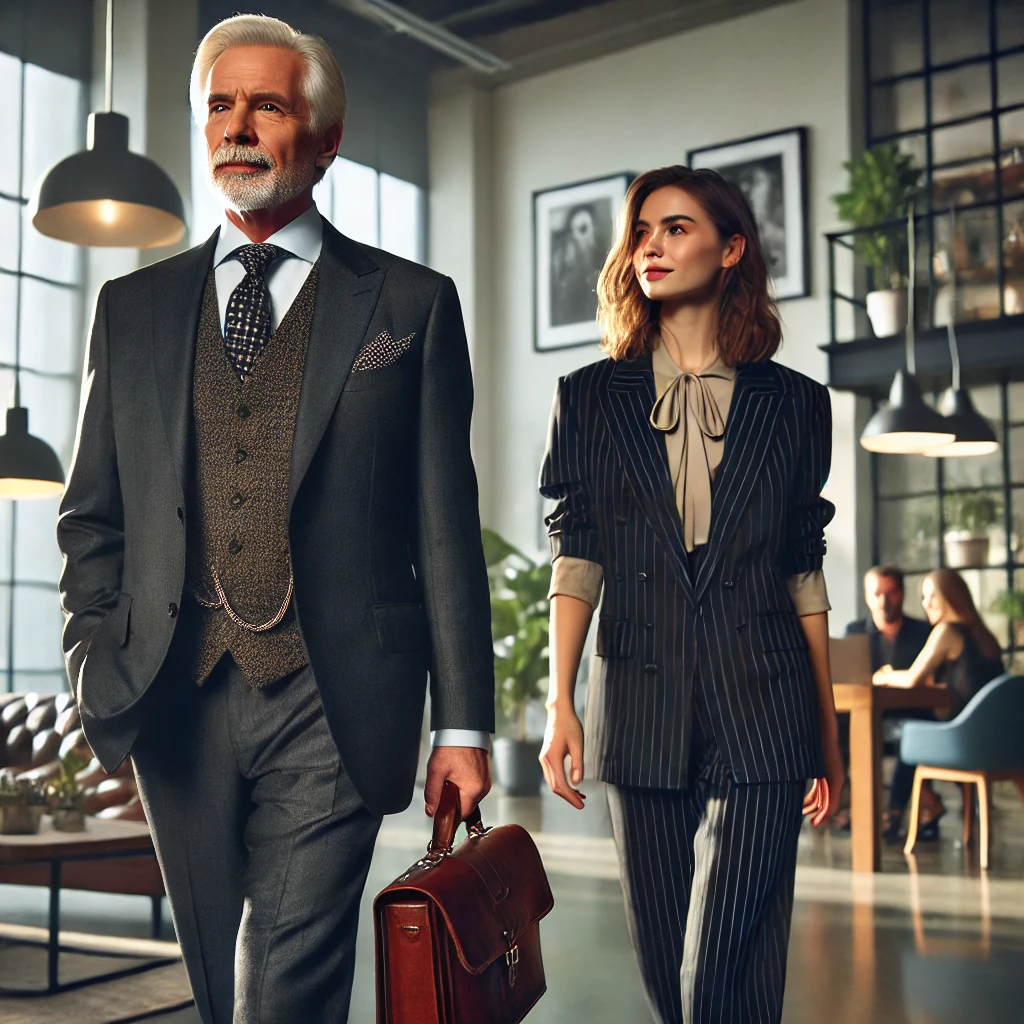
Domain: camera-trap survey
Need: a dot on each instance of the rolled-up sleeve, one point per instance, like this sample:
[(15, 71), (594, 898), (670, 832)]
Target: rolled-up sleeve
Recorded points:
[(809, 512), (571, 528), (576, 577), (810, 596)]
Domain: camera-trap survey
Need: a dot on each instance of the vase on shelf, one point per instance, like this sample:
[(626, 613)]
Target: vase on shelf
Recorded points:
[(887, 311), (965, 549)]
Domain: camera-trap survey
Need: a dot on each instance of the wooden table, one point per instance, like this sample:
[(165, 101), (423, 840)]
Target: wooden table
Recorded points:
[(103, 840), (865, 704)]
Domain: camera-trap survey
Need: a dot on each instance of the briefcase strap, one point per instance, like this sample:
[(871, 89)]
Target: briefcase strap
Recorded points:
[(446, 823)]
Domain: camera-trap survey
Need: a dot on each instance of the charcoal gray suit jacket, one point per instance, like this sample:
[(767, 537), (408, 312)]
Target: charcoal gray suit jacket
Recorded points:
[(731, 629), (384, 526)]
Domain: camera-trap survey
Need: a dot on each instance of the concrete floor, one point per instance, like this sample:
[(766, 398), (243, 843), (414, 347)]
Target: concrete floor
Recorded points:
[(928, 941)]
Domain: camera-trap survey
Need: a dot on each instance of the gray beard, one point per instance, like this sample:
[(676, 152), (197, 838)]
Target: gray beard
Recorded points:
[(261, 190)]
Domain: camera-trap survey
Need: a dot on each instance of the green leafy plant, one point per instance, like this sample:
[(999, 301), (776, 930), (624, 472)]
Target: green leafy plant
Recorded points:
[(974, 512), (882, 183), (1009, 603), (63, 790), (519, 627)]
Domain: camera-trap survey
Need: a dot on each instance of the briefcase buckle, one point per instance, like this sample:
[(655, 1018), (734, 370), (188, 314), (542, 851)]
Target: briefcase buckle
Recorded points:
[(511, 959)]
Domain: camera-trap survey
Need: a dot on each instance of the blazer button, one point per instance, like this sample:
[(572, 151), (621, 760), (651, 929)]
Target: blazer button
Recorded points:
[(642, 576), (650, 669), (172, 610), (649, 625), (620, 519), (236, 500), (740, 627), (727, 583), (241, 456), (242, 412), (235, 546)]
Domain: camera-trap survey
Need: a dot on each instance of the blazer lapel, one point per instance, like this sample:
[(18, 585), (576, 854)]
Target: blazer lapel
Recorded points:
[(347, 290), (626, 399), (175, 305), (753, 418)]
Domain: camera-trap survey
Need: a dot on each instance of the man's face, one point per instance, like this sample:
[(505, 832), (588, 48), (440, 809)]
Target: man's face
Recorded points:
[(262, 152), (884, 598)]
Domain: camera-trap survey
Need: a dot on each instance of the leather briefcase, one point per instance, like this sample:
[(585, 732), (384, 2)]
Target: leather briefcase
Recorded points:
[(458, 935)]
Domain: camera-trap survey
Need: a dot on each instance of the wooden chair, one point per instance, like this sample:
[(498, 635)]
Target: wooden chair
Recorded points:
[(982, 745)]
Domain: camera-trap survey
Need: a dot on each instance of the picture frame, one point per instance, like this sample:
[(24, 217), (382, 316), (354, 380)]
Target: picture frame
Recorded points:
[(771, 170), (574, 228)]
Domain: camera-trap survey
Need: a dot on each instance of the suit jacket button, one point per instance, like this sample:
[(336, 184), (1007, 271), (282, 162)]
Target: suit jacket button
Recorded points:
[(727, 583), (620, 519), (172, 610), (235, 546), (242, 411), (236, 500), (642, 576), (741, 627), (649, 625), (650, 669)]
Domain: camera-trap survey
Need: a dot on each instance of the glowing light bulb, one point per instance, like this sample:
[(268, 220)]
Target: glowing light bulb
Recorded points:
[(108, 211)]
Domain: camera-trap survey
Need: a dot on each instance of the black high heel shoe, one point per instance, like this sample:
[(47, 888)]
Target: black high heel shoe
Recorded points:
[(929, 831)]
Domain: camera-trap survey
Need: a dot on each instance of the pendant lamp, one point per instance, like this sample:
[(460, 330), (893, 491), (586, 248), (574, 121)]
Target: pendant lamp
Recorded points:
[(107, 195), (974, 434), (906, 425), (29, 467)]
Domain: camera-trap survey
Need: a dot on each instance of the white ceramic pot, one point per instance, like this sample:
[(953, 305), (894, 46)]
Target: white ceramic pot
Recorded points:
[(964, 549), (887, 311)]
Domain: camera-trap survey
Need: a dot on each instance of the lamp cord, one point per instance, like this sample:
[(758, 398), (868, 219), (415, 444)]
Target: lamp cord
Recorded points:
[(21, 217), (110, 57), (954, 348), (911, 275)]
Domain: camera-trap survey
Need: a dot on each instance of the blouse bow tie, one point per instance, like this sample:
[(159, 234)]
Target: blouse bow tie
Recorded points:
[(689, 403)]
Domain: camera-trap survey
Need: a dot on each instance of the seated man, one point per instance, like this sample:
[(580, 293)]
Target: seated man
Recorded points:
[(896, 639)]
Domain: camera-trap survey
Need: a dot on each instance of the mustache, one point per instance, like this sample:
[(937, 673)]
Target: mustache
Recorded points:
[(230, 153)]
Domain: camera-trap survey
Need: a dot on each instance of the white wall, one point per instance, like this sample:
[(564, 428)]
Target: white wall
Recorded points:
[(631, 111)]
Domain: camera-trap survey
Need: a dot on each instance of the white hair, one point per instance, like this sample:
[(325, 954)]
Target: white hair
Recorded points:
[(323, 84)]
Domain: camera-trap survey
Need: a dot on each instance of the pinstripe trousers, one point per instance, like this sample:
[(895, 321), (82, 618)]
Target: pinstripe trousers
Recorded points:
[(707, 876)]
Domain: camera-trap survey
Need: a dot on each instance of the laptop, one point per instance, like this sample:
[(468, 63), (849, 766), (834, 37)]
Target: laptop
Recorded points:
[(850, 659)]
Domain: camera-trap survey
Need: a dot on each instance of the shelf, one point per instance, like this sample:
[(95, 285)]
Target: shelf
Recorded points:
[(991, 351)]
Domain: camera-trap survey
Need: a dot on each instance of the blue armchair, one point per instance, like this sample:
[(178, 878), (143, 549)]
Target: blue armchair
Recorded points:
[(984, 743)]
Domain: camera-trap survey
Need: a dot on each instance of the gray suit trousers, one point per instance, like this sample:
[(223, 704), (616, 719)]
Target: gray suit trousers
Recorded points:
[(263, 842), (707, 876)]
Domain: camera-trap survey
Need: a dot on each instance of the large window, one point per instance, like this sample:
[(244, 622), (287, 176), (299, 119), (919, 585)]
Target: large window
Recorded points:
[(41, 121), (965, 513)]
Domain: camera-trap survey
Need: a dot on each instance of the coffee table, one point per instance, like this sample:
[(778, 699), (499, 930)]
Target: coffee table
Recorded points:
[(103, 840)]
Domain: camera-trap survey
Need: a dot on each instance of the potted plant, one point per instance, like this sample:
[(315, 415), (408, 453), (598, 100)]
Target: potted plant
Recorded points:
[(1011, 604), (22, 803), (66, 801), (882, 183), (519, 630), (969, 516)]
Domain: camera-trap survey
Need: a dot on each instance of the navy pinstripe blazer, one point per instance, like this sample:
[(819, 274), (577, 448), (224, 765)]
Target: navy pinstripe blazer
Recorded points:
[(734, 627)]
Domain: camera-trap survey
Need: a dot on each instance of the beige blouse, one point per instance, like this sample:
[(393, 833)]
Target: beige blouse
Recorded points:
[(692, 411)]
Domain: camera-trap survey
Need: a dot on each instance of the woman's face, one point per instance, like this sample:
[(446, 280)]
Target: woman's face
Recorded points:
[(678, 254), (935, 605)]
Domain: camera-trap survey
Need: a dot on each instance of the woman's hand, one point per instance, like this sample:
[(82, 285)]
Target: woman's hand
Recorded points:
[(822, 799), (563, 737), (882, 676)]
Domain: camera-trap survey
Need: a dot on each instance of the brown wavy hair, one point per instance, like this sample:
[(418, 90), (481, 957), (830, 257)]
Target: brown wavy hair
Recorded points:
[(748, 322), (950, 584)]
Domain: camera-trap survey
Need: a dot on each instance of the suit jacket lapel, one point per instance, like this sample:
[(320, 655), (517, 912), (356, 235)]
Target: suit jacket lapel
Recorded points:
[(175, 306), (347, 290), (753, 418), (626, 399)]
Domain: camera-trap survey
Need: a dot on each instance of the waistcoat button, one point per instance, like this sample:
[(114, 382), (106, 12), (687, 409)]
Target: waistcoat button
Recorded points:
[(172, 610), (236, 500), (650, 669), (727, 583), (642, 576)]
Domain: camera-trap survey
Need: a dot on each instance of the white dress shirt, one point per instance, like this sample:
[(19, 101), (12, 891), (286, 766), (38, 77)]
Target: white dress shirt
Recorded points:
[(301, 240)]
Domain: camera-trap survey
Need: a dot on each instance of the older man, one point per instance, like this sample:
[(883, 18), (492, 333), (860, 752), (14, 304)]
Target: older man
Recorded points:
[(270, 533)]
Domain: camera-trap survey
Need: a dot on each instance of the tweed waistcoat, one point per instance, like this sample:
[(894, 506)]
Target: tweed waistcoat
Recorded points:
[(238, 559)]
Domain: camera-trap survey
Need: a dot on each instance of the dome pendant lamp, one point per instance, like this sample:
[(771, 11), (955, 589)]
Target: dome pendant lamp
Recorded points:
[(107, 195), (974, 434), (29, 467), (906, 425)]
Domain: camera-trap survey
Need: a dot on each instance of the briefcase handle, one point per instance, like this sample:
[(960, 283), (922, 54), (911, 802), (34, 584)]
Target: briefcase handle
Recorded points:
[(446, 822)]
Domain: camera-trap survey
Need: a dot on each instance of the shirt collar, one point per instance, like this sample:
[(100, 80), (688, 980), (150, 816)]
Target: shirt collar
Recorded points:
[(664, 366), (302, 237)]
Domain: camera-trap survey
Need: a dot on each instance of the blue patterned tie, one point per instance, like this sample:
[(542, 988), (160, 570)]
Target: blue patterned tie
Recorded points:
[(247, 322)]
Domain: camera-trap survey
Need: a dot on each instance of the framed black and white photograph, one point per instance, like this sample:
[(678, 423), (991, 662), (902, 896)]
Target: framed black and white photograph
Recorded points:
[(772, 172), (573, 229)]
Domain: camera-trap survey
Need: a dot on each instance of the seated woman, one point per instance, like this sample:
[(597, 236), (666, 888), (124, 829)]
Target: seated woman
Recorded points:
[(961, 654)]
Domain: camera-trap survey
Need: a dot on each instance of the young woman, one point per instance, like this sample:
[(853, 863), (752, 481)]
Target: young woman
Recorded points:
[(960, 653), (687, 470)]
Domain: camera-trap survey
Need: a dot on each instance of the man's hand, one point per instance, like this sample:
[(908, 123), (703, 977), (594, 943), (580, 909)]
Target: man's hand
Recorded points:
[(468, 767)]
